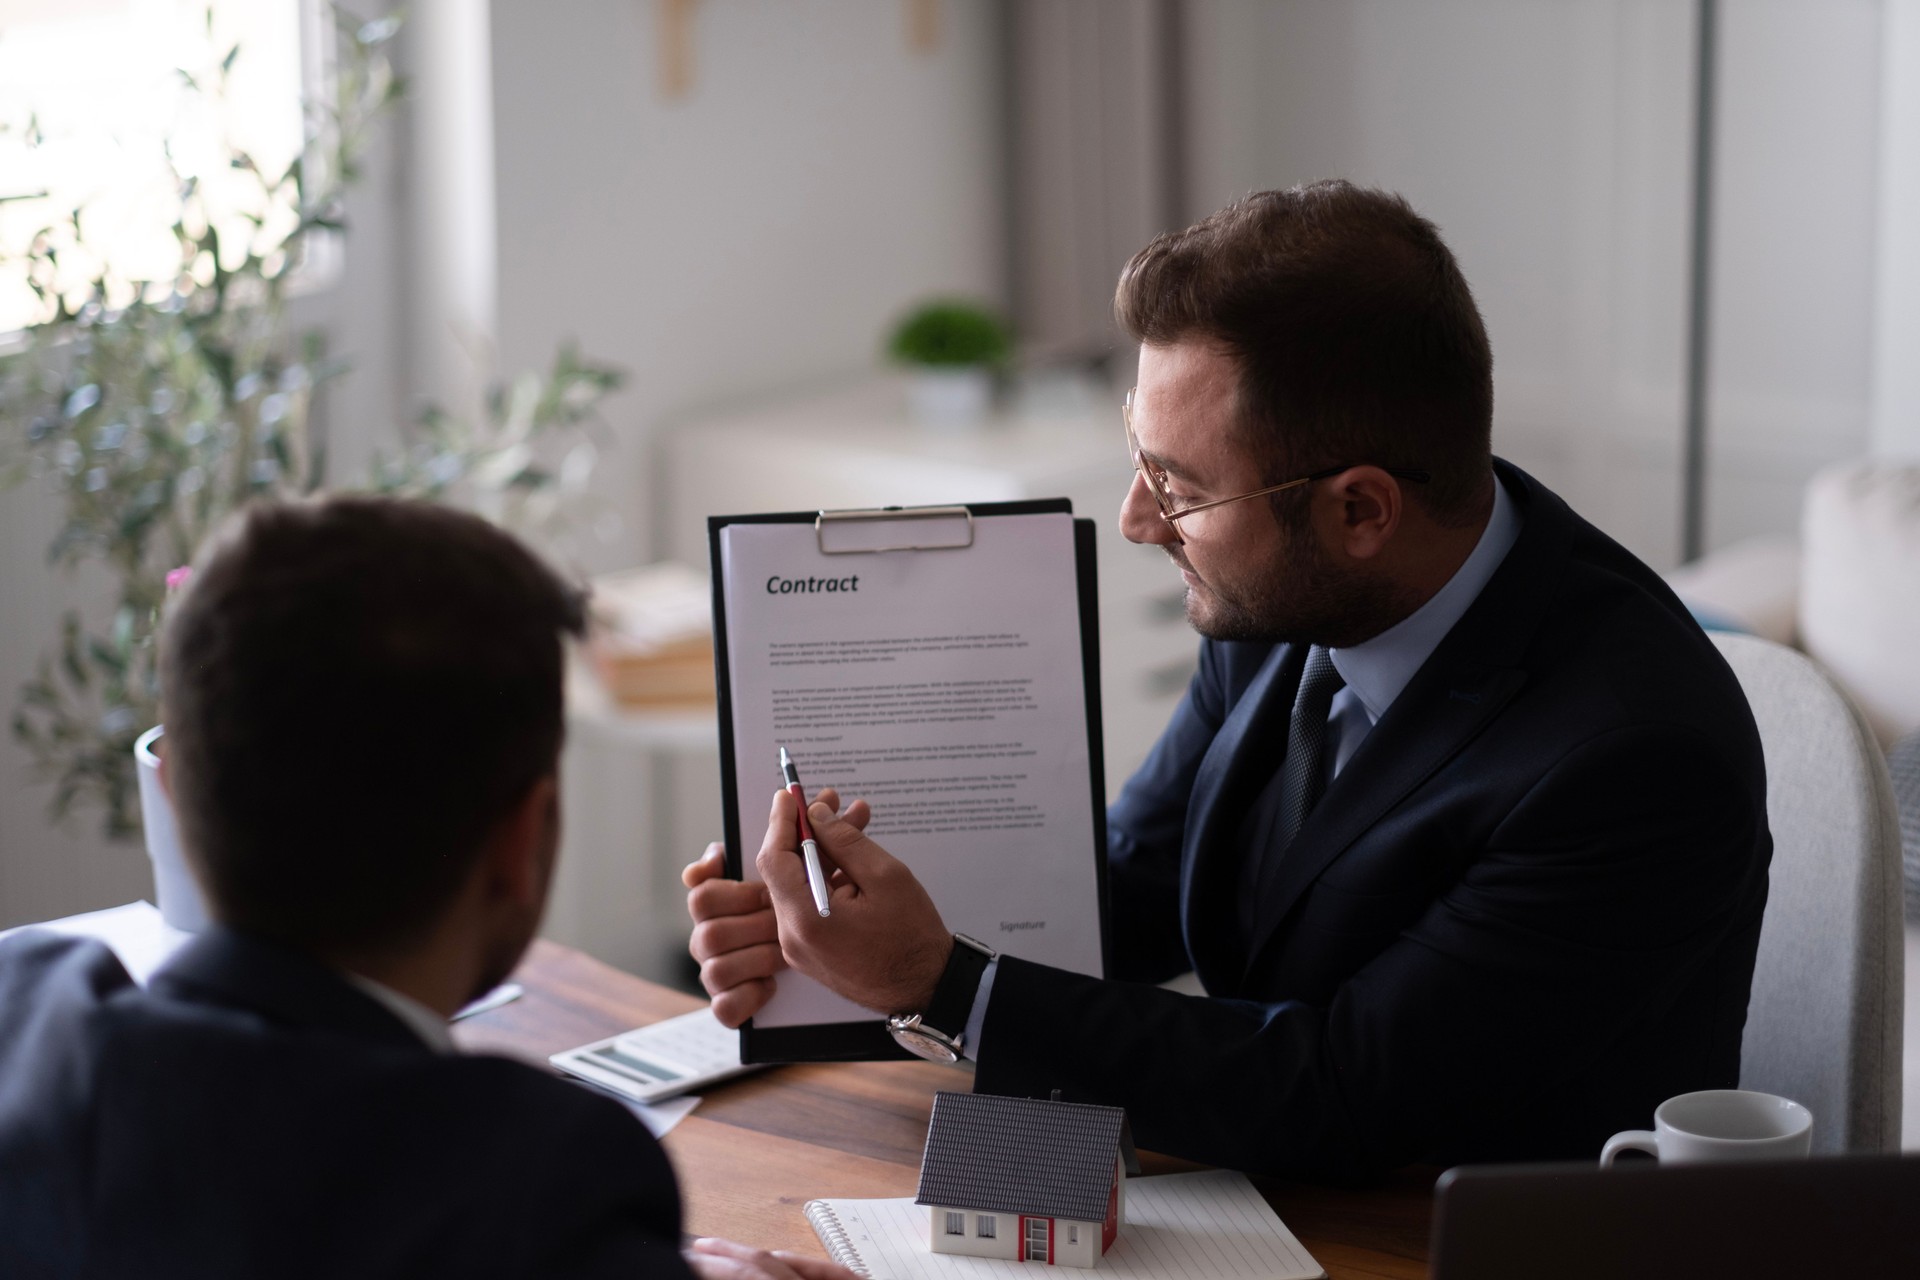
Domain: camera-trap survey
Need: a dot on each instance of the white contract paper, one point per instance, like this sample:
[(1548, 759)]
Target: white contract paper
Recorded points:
[(944, 687)]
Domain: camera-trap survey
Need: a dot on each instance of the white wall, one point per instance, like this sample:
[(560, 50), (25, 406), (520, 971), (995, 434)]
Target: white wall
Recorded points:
[(1896, 369), (757, 233), (1552, 143), (1794, 262)]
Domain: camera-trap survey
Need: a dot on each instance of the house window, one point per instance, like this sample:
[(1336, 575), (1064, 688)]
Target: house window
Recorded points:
[(986, 1226), (956, 1224), (1073, 1233)]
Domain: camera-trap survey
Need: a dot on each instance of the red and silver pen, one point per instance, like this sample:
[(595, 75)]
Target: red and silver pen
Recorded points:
[(816, 878)]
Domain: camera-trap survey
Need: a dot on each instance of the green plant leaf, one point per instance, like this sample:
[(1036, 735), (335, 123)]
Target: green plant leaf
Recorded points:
[(105, 657), (950, 332)]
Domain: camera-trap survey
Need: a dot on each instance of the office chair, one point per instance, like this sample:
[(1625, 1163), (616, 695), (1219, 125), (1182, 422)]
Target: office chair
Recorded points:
[(1824, 1023)]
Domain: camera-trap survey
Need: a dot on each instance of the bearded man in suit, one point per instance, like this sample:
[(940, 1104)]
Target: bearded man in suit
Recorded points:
[(1461, 824)]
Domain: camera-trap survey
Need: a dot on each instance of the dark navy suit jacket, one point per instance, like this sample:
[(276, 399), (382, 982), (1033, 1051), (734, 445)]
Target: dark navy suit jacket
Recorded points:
[(1522, 915), (253, 1114)]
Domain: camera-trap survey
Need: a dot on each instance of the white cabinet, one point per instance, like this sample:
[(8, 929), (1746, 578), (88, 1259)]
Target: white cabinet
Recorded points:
[(856, 447)]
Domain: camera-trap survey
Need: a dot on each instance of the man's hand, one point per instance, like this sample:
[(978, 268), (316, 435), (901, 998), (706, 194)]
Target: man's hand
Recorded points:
[(727, 1260), (884, 946), (734, 937)]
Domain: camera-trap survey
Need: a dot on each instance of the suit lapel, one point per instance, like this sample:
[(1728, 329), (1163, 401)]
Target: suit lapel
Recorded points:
[(1221, 789), (1405, 749)]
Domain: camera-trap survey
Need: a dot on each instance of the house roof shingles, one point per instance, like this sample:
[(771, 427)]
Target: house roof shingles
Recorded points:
[(1020, 1155)]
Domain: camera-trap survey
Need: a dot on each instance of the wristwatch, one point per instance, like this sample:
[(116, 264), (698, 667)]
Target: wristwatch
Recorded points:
[(936, 1034)]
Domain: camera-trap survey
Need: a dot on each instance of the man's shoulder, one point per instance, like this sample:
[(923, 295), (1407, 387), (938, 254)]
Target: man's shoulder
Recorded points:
[(250, 1061), (54, 993), (57, 996), (533, 1093), (1604, 644), (79, 1040), (1571, 579), (35, 961), (175, 1128)]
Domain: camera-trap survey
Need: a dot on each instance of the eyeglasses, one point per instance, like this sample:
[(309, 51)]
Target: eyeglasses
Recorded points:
[(1156, 478)]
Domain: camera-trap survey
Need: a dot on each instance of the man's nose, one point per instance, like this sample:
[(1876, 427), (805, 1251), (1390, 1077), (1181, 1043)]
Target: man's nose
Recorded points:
[(1140, 519)]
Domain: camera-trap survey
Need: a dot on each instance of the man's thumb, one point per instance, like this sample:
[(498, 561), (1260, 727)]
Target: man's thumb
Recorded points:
[(845, 843)]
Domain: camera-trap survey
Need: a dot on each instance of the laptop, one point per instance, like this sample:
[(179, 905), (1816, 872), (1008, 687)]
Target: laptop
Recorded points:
[(1851, 1216)]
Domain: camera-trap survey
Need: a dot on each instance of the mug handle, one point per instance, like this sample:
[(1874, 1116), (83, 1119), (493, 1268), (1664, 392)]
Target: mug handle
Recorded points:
[(1630, 1140)]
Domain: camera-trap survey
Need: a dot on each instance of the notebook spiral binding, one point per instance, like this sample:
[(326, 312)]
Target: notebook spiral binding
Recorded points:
[(826, 1225)]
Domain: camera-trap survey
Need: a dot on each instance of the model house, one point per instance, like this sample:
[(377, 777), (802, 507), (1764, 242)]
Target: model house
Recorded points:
[(1025, 1179)]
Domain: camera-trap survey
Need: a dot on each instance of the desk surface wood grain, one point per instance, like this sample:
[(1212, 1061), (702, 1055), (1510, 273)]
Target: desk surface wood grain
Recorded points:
[(759, 1148)]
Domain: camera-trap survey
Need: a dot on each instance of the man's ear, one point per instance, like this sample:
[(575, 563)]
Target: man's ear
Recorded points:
[(519, 854), (1365, 509)]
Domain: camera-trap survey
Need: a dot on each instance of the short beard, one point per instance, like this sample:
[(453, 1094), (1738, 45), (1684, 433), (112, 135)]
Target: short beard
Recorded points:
[(1301, 598)]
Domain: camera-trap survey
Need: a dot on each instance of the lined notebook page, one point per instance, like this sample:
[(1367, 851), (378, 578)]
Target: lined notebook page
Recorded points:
[(1179, 1226)]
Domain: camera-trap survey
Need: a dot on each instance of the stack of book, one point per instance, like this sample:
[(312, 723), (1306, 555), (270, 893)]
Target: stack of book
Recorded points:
[(651, 640)]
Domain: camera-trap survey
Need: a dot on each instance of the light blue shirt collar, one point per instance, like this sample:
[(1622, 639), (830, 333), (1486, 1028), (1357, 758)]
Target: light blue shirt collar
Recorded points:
[(1378, 669)]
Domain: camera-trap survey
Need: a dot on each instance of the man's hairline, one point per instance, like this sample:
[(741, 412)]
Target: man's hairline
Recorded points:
[(1239, 431)]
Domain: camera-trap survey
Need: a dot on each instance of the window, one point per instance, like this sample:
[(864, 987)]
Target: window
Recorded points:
[(956, 1224), (1073, 1233), (986, 1226), (97, 80)]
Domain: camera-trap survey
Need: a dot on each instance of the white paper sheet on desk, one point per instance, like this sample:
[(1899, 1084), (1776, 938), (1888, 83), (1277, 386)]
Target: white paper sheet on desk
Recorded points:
[(944, 687)]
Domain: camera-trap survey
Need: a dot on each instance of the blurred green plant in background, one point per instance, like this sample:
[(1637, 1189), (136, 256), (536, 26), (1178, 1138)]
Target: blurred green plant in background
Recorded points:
[(950, 332), (154, 408)]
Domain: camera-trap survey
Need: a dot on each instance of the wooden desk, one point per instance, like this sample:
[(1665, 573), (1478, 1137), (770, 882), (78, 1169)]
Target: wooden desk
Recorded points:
[(761, 1147)]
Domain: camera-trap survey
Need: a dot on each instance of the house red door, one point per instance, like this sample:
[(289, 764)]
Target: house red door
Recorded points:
[(1036, 1238)]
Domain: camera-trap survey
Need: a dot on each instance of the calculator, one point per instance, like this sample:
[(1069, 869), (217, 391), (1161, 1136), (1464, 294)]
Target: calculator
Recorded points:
[(659, 1060)]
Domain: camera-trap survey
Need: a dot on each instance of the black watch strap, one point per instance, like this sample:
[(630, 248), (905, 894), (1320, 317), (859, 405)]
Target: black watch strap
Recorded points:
[(952, 1001)]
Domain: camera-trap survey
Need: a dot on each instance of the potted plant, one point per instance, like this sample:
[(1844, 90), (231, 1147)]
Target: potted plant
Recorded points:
[(154, 408), (955, 348)]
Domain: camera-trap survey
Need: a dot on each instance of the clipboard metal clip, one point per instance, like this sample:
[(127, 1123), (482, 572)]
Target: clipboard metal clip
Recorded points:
[(856, 531)]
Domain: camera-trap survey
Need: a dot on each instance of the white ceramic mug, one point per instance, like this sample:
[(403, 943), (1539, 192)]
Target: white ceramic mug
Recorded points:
[(175, 891), (1720, 1124)]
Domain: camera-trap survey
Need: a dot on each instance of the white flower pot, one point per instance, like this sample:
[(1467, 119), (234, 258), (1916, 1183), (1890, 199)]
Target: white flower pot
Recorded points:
[(175, 891), (951, 399)]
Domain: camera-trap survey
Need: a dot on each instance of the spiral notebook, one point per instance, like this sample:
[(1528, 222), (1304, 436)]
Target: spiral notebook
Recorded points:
[(1179, 1226)]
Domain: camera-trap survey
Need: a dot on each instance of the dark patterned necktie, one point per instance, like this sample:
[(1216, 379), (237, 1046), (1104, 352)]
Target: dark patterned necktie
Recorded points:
[(1281, 808), (1304, 776)]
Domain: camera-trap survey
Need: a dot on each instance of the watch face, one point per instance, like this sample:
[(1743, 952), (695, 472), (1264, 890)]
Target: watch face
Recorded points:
[(922, 1042)]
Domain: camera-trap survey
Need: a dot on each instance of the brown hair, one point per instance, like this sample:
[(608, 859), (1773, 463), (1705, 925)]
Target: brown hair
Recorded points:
[(1357, 338), (355, 691)]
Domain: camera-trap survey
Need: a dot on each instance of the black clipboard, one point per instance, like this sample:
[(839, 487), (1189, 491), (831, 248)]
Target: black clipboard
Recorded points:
[(869, 1041)]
